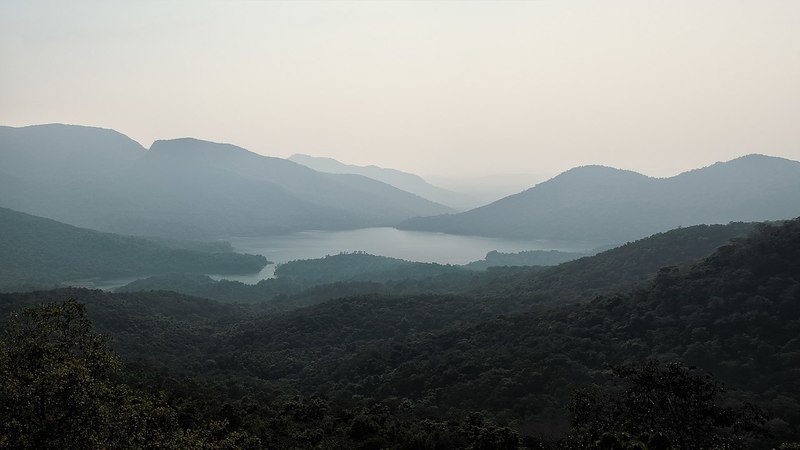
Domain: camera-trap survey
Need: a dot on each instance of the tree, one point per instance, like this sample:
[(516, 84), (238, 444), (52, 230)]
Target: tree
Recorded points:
[(669, 400), (57, 390), (54, 372)]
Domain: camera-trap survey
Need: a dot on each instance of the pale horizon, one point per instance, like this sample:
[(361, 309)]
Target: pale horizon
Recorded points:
[(441, 89)]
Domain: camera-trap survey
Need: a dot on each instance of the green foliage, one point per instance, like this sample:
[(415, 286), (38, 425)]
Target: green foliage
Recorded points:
[(299, 282), (358, 266), (433, 361), (619, 268), (54, 390), (626, 441), (670, 400), (58, 390)]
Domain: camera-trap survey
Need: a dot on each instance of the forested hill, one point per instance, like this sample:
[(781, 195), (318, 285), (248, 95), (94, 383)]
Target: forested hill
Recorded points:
[(39, 252), (619, 268), (606, 205), (735, 314), (358, 266), (184, 188), (301, 283), (305, 282), (428, 360)]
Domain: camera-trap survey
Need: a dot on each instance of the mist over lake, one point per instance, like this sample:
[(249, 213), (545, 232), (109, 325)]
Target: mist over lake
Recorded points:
[(419, 246)]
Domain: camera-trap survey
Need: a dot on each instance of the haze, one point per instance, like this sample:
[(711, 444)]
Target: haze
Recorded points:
[(450, 89)]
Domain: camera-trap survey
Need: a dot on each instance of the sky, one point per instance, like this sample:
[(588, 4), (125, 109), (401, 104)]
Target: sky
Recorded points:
[(451, 89)]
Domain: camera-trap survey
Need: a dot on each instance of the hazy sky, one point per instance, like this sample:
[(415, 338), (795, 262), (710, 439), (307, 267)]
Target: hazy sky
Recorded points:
[(436, 88)]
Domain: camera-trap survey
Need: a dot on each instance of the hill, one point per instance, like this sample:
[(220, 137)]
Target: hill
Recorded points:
[(733, 314), (401, 180), (39, 252), (370, 363), (183, 188), (303, 282), (525, 258), (621, 267), (306, 282), (606, 205)]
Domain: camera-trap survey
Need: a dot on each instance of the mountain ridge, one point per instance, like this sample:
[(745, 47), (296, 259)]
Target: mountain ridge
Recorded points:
[(406, 181), (608, 205), (101, 179)]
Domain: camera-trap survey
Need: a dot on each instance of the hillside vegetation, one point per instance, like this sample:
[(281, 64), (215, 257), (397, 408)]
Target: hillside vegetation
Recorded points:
[(338, 373), (39, 252), (305, 282)]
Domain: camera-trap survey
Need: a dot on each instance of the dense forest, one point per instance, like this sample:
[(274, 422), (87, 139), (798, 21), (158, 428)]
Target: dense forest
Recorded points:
[(305, 282), (529, 362)]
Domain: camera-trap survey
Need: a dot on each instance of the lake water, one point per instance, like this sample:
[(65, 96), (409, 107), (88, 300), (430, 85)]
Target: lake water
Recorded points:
[(410, 245)]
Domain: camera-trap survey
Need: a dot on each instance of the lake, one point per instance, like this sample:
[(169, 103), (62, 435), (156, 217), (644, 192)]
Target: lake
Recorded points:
[(410, 245)]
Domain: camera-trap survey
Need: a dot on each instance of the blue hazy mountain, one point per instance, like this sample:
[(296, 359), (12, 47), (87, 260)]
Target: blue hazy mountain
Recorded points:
[(103, 180), (605, 205), (408, 182)]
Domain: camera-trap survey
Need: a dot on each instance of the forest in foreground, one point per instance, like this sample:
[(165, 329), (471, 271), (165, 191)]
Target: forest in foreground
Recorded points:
[(703, 355)]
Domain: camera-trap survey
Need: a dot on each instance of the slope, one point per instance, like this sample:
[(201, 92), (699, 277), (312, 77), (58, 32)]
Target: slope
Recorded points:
[(305, 282), (605, 205), (402, 180), (35, 251), (735, 314), (182, 188)]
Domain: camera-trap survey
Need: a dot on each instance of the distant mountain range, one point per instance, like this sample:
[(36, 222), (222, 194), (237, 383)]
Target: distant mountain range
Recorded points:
[(188, 188), (402, 180), (184, 188), (606, 205)]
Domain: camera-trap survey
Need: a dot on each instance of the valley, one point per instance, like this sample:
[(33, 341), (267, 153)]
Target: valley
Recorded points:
[(400, 225)]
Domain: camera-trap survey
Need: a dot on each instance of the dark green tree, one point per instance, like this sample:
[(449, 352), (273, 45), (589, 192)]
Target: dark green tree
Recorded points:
[(677, 404), (58, 390), (54, 380)]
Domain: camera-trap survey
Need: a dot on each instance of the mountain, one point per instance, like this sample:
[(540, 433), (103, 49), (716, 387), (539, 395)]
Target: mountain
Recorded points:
[(39, 252), (734, 314), (181, 188), (401, 180), (61, 171), (485, 189), (605, 205), (468, 360)]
